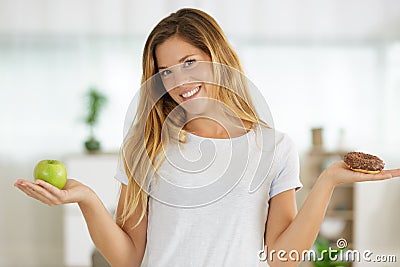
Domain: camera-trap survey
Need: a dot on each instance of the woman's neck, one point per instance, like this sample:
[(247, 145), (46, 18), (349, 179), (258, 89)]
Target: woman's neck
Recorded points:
[(217, 128)]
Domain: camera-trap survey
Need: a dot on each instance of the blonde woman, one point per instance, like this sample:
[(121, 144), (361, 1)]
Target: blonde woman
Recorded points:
[(172, 213)]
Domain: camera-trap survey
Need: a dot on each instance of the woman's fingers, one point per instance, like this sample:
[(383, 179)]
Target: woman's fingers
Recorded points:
[(383, 175), (52, 192), (374, 177), (391, 173), (33, 193), (72, 192), (50, 188), (40, 190), (20, 182), (340, 173)]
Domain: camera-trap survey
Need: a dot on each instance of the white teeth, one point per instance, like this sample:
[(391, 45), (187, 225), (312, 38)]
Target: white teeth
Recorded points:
[(190, 93)]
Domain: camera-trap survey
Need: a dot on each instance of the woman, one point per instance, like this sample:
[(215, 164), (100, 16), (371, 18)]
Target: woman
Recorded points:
[(167, 215)]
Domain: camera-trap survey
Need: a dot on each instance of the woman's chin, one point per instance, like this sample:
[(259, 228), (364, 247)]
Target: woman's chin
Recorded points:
[(196, 106), (195, 111)]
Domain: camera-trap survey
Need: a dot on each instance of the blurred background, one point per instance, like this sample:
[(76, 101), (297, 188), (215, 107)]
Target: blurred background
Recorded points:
[(329, 70)]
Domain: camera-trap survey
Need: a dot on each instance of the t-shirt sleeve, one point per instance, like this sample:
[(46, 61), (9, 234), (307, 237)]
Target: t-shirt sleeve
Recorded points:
[(120, 173), (288, 170)]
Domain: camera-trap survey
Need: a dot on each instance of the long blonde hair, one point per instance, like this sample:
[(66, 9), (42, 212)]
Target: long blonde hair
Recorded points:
[(147, 137)]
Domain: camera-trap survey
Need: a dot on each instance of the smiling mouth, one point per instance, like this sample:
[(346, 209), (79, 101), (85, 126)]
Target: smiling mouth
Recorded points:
[(190, 94)]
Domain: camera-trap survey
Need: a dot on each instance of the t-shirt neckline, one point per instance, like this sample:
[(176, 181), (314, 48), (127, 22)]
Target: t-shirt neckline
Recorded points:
[(198, 137)]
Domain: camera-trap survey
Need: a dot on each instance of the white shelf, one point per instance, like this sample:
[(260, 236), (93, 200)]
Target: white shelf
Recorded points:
[(97, 171)]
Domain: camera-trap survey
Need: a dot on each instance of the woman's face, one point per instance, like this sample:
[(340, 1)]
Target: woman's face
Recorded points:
[(186, 72)]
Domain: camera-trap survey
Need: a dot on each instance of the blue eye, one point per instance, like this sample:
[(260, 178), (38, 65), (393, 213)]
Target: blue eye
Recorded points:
[(189, 62), (165, 73)]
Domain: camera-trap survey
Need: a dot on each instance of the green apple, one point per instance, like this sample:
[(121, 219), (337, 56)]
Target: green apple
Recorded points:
[(51, 171)]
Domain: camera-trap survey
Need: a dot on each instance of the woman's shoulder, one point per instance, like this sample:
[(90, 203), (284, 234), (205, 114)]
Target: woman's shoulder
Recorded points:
[(281, 139)]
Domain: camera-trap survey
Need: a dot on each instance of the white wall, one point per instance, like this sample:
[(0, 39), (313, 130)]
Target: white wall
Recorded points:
[(332, 86), (43, 89), (277, 19)]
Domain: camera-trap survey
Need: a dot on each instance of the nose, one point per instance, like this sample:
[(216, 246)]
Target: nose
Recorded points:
[(176, 77), (180, 77)]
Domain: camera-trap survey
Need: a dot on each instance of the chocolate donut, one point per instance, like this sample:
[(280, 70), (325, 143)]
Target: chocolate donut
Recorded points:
[(362, 162)]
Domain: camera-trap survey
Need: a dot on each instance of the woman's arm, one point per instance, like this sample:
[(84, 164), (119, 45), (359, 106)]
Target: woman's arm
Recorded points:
[(121, 247), (287, 231)]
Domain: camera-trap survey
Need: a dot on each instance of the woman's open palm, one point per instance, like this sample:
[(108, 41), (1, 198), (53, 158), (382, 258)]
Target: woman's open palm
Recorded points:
[(339, 173), (72, 192)]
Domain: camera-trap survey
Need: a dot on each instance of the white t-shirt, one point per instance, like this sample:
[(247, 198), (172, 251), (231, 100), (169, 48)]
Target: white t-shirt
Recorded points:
[(210, 205)]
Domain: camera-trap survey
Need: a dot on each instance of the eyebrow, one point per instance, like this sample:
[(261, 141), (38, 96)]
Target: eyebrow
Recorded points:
[(180, 61)]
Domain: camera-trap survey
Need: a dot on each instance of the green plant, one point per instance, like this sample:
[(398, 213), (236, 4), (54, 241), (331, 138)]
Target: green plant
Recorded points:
[(95, 103), (325, 259)]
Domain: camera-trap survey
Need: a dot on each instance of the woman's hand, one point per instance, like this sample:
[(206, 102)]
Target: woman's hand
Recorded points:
[(73, 191), (339, 173)]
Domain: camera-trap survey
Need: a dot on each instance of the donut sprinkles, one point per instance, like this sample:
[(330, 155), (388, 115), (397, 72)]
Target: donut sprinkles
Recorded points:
[(362, 162)]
